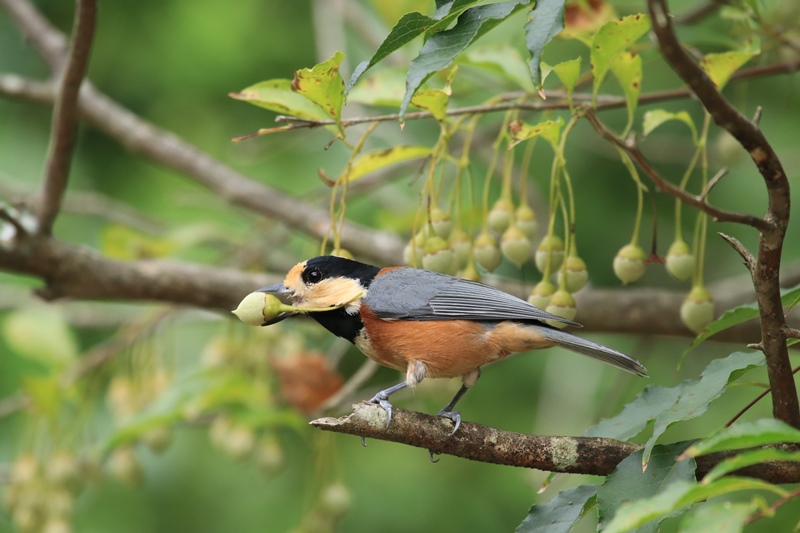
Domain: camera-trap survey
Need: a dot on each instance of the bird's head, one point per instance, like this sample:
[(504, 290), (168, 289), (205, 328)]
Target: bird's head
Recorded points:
[(326, 282)]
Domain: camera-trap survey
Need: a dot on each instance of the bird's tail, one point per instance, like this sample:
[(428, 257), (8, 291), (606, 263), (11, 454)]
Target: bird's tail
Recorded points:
[(595, 350)]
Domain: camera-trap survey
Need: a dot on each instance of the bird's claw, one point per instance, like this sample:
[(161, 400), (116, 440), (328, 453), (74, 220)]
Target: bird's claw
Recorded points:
[(430, 454), (455, 416), (384, 403)]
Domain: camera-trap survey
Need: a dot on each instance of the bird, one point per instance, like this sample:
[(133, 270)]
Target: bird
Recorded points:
[(424, 323)]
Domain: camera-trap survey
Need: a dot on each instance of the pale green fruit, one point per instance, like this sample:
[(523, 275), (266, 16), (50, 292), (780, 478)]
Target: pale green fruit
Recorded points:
[(500, 215), (60, 502), (515, 245), (576, 274), (342, 252), (485, 251), (470, 273), (630, 263), (57, 525), (125, 467), (62, 468), (680, 260), (526, 220), (553, 247), (541, 294), (336, 500), (257, 308), (270, 456), (697, 310), (415, 249), (239, 442), (438, 256), (440, 220), (561, 304), (460, 243), (25, 469), (158, 439), (727, 149)]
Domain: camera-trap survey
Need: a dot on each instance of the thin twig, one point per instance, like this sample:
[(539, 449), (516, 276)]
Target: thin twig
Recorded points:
[(749, 260), (65, 115), (721, 173), (774, 507), (758, 398)]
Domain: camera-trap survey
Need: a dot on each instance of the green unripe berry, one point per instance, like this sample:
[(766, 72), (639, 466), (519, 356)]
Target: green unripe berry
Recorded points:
[(485, 251), (124, 465), (551, 247), (630, 263), (469, 273), (541, 294), (526, 220), (158, 439), (515, 245), (438, 256), (440, 220), (697, 310), (342, 252), (576, 274), (500, 215), (680, 260), (270, 456), (460, 243), (561, 304), (258, 307), (336, 500), (415, 249)]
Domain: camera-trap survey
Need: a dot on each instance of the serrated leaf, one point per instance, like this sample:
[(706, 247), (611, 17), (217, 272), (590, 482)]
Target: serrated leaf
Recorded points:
[(635, 416), (560, 513), (41, 334), (748, 458), (568, 72), (549, 130), (720, 67), (323, 85), (719, 517), (373, 161), (384, 87), (611, 40), (628, 481), (738, 315), (627, 68), (656, 117), (746, 435), (680, 494), (501, 59), (545, 22), (433, 101), (695, 396), (409, 27), (441, 49), (277, 96)]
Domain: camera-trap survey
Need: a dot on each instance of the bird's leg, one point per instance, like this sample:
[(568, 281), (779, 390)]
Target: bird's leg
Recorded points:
[(447, 411), (382, 399)]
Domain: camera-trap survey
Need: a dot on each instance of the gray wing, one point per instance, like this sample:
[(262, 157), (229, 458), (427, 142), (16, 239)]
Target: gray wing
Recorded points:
[(416, 294)]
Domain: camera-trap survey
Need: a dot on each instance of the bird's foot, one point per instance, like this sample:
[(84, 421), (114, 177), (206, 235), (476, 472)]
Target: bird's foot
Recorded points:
[(455, 416), (382, 399)]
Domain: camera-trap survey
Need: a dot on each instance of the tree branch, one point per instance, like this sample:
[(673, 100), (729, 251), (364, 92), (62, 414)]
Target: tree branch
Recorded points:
[(575, 455), (65, 115), (766, 275)]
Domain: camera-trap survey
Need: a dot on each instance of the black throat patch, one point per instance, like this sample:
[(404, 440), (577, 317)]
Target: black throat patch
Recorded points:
[(340, 323)]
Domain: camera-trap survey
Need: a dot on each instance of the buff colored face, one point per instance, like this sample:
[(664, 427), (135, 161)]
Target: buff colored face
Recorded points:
[(307, 291)]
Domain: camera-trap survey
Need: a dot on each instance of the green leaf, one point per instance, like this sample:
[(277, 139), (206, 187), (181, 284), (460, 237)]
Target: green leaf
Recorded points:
[(41, 334), (385, 87), (568, 72), (635, 416), (749, 458), (323, 85), (695, 396), (441, 49), (432, 100), (501, 59), (746, 435), (372, 161), (720, 67), (656, 117), (408, 28), (738, 315), (612, 39), (628, 481), (676, 496), (545, 22), (719, 517), (627, 67), (560, 513), (277, 96), (549, 130)]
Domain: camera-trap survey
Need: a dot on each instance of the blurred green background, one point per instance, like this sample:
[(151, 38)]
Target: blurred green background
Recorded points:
[(173, 63)]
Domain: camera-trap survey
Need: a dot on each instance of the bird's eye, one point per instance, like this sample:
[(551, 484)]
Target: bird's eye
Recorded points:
[(312, 276)]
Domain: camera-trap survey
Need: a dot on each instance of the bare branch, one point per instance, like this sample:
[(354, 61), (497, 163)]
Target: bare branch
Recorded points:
[(576, 455), (65, 115), (766, 274), (749, 260)]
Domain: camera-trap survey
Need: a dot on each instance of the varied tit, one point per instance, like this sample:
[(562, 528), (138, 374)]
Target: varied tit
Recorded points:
[(424, 323)]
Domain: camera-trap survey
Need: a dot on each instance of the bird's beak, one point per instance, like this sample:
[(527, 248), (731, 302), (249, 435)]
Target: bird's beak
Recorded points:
[(284, 295)]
